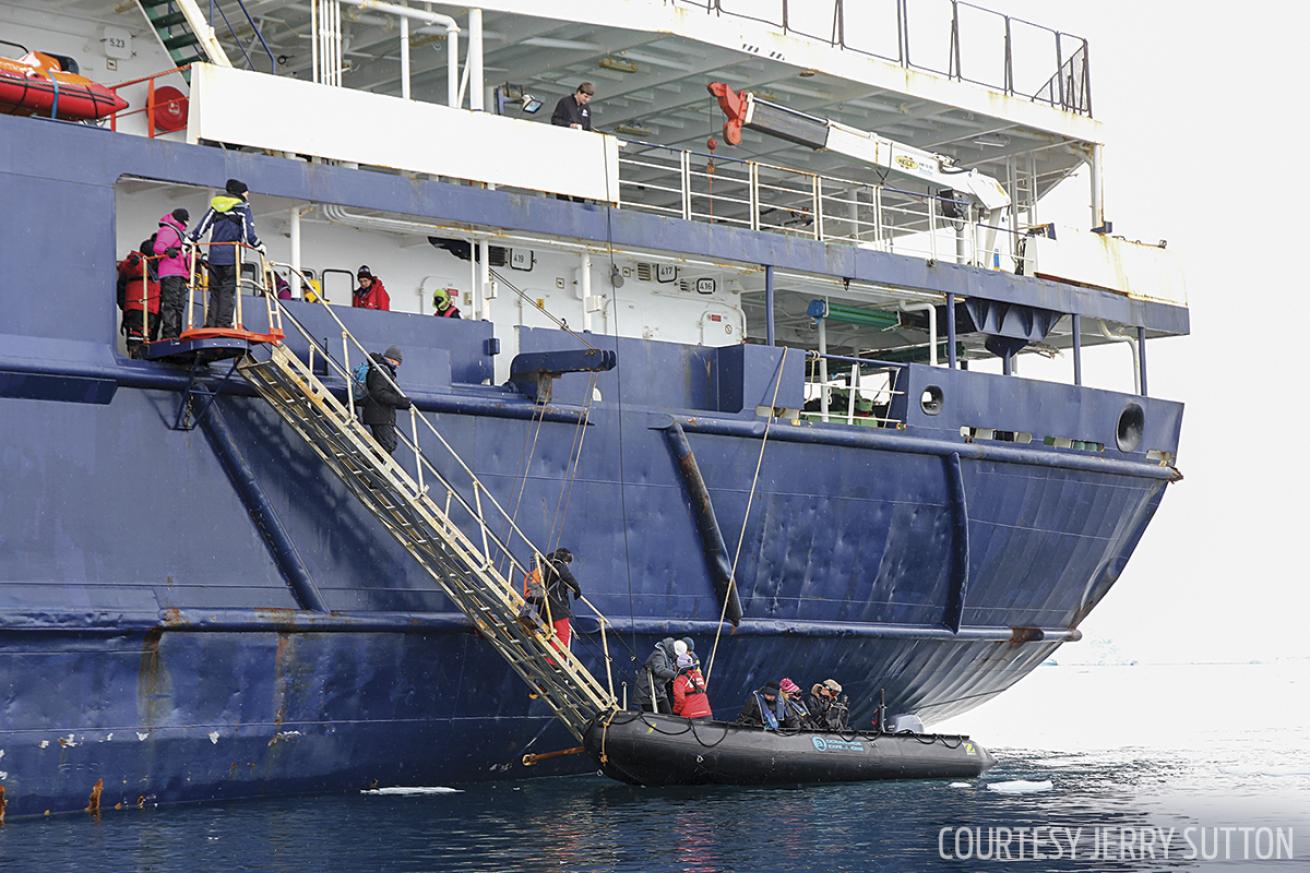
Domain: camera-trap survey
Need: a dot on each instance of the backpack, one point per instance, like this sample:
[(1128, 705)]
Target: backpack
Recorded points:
[(360, 377), (152, 263), (121, 288)]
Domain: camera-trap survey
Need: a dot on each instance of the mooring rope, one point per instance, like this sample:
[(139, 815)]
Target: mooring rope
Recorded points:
[(750, 499)]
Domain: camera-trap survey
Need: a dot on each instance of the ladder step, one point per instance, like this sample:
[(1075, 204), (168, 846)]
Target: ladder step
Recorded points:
[(182, 40), (170, 19)]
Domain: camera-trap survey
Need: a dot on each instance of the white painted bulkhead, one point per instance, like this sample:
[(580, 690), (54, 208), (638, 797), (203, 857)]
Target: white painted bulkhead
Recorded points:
[(658, 298)]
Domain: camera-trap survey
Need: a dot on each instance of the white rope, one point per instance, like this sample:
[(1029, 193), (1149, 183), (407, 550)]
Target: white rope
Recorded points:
[(750, 499)]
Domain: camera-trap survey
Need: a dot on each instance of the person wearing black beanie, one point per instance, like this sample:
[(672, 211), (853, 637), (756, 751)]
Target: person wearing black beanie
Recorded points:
[(232, 229)]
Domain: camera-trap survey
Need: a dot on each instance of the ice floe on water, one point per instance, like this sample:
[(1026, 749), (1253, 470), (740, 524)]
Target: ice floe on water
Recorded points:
[(1020, 786), (416, 789), (960, 785)]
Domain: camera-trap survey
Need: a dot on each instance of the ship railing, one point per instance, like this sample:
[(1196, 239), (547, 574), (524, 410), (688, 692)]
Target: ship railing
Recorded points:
[(247, 36), (253, 279), (867, 379), (963, 41), (499, 538), (161, 114), (754, 195), (149, 263)]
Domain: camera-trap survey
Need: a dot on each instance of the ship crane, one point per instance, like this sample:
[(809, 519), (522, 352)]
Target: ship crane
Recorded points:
[(893, 159)]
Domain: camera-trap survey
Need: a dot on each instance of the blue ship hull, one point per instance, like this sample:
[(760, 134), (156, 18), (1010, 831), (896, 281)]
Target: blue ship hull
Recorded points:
[(206, 614)]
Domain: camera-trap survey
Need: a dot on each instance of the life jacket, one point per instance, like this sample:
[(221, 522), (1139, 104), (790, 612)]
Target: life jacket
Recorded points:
[(132, 270), (774, 717), (451, 311)]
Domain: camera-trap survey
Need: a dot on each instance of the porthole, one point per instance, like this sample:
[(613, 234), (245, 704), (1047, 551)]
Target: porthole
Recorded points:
[(1132, 423), (931, 400)]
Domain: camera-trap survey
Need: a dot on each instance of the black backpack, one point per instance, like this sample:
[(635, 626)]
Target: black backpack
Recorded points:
[(148, 251)]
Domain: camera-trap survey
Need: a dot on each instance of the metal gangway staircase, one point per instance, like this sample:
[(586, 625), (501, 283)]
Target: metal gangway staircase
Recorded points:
[(418, 506), (184, 32)]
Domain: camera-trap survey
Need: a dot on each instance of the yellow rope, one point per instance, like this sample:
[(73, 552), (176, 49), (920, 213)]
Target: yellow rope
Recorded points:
[(750, 499)]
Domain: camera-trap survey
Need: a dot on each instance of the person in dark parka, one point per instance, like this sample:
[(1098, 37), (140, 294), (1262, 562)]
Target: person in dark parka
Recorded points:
[(383, 400), (230, 225), (654, 676), (764, 708), (558, 583)]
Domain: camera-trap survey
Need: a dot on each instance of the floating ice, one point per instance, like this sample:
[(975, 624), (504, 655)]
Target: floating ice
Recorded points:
[(213, 737), (1020, 786), (142, 736), (960, 785), (405, 789)]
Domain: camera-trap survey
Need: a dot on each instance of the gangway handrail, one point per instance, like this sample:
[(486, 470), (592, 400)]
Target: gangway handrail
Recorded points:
[(423, 462), (344, 370), (467, 571)]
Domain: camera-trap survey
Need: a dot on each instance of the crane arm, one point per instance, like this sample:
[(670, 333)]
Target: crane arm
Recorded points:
[(744, 109)]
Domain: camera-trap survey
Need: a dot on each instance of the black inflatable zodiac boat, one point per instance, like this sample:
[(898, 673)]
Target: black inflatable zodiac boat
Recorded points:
[(645, 749)]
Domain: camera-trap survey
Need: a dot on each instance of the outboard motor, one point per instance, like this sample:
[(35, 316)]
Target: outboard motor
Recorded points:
[(906, 721)]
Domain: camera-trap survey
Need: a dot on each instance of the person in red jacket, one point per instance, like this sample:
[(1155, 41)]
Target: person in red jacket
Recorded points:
[(132, 272), (371, 293), (689, 697)]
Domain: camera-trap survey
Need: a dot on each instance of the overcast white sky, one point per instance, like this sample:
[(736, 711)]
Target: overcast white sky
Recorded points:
[(1203, 107), (1204, 114)]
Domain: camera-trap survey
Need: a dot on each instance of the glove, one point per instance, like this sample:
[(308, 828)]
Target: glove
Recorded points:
[(577, 594), (172, 251), (262, 249), (408, 403)]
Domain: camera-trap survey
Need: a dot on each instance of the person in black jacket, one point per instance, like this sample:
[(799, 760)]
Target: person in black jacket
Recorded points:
[(764, 708), (653, 678), (383, 400), (558, 582), (573, 110)]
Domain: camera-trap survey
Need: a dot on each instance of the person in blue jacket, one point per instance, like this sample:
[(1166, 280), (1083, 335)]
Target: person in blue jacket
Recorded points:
[(229, 224)]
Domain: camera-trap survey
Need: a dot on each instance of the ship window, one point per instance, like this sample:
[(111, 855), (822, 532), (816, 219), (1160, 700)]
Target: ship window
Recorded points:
[(1132, 421), (931, 400)]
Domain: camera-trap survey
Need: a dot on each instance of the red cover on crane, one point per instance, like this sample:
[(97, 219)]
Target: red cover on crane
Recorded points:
[(733, 105)]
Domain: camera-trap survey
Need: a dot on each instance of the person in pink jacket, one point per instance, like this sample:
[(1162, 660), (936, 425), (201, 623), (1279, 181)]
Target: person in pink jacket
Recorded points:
[(173, 271)]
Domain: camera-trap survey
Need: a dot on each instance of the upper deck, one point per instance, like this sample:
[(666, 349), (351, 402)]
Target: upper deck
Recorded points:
[(417, 92)]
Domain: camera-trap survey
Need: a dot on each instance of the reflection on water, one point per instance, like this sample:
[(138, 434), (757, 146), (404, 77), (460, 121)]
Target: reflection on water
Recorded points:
[(1227, 773)]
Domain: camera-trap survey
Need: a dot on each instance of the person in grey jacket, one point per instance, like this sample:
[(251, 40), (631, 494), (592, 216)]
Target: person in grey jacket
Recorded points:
[(653, 678)]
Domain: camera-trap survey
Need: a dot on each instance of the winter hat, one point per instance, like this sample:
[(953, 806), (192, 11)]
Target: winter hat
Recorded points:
[(236, 187), (394, 354), (691, 646), (182, 215), (364, 273), (685, 661), (832, 685), (679, 648), (562, 554), (789, 686), (770, 687)]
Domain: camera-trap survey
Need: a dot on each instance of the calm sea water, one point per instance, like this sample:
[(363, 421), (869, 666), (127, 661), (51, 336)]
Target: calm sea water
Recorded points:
[(1207, 769)]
